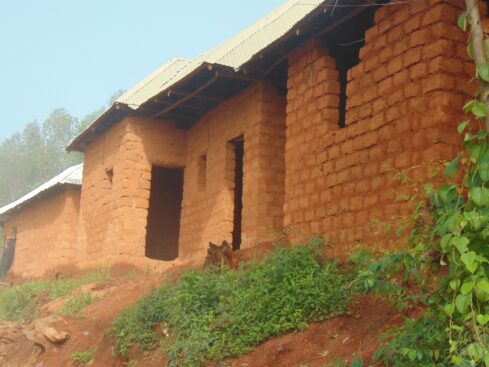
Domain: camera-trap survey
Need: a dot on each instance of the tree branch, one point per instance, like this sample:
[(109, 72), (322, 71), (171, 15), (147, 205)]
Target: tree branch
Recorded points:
[(477, 39)]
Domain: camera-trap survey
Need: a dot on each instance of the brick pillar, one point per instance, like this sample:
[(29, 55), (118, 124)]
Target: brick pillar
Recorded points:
[(312, 111), (263, 195)]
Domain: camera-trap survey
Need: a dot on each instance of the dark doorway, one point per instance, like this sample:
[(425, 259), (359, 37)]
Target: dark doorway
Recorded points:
[(165, 204), (238, 146)]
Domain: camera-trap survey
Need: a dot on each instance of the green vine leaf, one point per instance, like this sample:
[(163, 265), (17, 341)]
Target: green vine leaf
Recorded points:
[(483, 171), (449, 309), (483, 285), (470, 50), (462, 303), (479, 110), (461, 244), (461, 127), (470, 261), (452, 168), (483, 71), (454, 284), (467, 287), (468, 106), (483, 319), (480, 196), (462, 21)]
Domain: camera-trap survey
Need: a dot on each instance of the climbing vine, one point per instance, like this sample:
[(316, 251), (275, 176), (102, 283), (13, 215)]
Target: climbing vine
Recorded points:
[(445, 269)]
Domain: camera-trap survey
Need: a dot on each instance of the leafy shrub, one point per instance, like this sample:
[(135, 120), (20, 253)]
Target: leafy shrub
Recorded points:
[(211, 315), (419, 342), (82, 358), (22, 302)]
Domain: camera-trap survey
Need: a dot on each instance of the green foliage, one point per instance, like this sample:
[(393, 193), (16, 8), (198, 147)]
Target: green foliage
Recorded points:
[(454, 330), (74, 307), (82, 358), (22, 302), (209, 315), (420, 342)]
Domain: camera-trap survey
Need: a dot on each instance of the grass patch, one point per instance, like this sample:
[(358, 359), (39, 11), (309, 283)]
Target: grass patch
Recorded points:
[(22, 302), (74, 307), (82, 358), (209, 315)]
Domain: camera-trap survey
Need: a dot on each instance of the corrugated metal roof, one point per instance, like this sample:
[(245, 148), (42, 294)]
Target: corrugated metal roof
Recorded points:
[(151, 85), (233, 53), (239, 49), (70, 176)]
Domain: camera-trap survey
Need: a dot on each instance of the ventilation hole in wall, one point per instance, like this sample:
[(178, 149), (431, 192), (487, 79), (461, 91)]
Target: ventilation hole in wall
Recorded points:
[(110, 175), (202, 172)]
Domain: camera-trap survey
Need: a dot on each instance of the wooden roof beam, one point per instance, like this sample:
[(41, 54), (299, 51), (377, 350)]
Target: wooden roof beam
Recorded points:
[(200, 96), (186, 106), (188, 96)]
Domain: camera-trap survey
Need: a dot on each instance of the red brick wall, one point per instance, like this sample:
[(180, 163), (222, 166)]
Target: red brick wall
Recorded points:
[(114, 215), (301, 171), (258, 114), (46, 234), (404, 101)]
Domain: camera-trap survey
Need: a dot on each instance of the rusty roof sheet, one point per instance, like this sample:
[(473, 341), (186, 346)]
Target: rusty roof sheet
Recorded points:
[(70, 176)]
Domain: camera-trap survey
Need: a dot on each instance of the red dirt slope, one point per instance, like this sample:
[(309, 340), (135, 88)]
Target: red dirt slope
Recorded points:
[(344, 338)]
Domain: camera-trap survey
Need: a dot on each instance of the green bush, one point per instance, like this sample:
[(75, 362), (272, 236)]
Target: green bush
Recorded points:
[(22, 302), (209, 315), (419, 342), (82, 358)]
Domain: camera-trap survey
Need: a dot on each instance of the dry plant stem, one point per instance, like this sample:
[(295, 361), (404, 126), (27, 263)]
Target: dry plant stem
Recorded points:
[(477, 39)]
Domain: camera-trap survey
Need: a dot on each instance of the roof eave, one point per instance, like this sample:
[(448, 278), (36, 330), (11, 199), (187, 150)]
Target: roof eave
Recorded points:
[(116, 113)]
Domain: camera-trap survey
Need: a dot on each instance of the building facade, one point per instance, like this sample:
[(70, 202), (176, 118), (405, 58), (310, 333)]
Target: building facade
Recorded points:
[(297, 126)]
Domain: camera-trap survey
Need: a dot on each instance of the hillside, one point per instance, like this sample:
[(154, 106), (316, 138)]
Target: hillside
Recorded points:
[(325, 343)]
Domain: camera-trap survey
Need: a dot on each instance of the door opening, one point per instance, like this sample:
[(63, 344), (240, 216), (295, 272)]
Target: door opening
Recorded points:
[(165, 203), (238, 146)]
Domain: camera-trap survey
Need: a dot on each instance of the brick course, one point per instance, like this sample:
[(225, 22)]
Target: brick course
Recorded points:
[(404, 101), (114, 215)]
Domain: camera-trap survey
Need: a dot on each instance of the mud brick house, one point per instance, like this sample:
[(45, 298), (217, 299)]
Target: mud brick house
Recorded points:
[(46, 224), (293, 125)]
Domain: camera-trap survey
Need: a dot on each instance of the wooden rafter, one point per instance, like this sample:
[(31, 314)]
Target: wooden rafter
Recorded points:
[(353, 13), (189, 96), (187, 106), (201, 96)]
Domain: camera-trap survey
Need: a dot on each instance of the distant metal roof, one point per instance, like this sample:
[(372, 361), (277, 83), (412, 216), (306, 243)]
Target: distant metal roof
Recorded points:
[(70, 176), (233, 53)]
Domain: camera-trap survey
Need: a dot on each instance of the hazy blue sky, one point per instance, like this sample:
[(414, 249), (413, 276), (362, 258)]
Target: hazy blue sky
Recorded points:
[(76, 53)]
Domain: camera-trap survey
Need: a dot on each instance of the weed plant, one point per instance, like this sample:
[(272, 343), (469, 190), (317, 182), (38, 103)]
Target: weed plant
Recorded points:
[(214, 315), (22, 302)]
